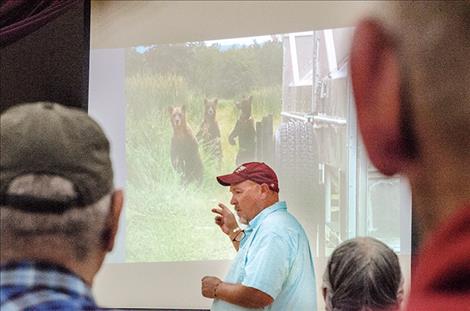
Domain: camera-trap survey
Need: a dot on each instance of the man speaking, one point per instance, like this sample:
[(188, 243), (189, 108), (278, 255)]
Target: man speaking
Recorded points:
[(273, 269)]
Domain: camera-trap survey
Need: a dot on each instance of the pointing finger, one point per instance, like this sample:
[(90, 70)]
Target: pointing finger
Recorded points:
[(217, 210), (225, 209)]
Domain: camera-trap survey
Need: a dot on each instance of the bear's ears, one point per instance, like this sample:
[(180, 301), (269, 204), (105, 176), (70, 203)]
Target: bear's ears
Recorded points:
[(207, 101), (171, 108)]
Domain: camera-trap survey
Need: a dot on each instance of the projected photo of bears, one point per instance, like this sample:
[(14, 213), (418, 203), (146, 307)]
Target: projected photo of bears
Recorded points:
[(197, 110), (191, 115)]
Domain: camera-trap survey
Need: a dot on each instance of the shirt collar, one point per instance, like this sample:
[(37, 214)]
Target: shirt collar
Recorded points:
[(255, 222)]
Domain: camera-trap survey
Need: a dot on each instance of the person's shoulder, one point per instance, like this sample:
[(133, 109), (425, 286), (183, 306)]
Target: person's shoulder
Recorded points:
[(283, 225), (282, 218), (276, 218), (443, 280)]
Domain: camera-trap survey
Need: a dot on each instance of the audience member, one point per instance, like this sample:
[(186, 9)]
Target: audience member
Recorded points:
[(410, 69), (59, 212), (363, 274)]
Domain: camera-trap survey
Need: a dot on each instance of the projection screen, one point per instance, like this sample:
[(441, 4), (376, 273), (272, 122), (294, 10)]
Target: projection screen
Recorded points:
[(153, 61)]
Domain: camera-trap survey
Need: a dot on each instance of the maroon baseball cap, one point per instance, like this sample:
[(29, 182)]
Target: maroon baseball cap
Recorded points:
[(259, 172)]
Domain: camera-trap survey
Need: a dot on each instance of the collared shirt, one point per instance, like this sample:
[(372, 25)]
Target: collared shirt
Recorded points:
[(274, 257), (30, 285)]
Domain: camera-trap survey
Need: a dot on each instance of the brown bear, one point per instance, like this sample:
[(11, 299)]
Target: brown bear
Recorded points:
[(245, 131), (209, 132), (185, 156)]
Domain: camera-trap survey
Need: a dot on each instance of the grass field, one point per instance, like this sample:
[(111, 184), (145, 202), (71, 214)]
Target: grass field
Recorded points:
[(166, 221)]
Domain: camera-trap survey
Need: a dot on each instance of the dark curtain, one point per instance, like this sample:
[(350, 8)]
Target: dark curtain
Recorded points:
[(45, 52), (21, 17)]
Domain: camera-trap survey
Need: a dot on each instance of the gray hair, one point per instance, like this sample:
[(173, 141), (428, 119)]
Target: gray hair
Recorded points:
[(77, 232), (362, 274), (433, 42)]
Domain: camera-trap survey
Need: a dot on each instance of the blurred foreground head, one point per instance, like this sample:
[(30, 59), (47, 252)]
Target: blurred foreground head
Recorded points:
[(411, 77)]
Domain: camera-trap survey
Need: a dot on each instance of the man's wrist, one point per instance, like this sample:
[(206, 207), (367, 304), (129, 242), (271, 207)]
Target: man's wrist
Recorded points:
[(234, 234)]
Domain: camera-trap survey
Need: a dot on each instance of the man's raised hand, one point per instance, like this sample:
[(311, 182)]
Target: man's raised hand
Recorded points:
[(225, 219)]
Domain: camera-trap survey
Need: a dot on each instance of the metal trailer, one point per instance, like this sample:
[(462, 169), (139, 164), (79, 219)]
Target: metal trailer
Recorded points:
[(324, 173)]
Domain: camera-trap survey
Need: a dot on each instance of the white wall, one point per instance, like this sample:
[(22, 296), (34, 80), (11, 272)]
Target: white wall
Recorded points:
[(176, 285)]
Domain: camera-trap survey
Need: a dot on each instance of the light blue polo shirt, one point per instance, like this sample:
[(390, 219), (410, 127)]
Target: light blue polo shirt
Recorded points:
[(274, 257)]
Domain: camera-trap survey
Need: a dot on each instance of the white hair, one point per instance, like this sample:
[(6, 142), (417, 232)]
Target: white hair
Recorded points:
[(363, 274), (77, 231)]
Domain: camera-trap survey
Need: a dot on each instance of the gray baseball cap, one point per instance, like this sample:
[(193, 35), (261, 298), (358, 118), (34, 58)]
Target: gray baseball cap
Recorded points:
[(48, 138)]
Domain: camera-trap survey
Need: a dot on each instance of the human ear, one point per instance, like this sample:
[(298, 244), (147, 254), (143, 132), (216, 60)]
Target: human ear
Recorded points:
[(264, 190), (375, 72), (117, 200)]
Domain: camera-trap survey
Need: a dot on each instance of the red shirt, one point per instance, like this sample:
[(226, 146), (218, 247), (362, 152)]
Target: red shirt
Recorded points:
[(441, 280)]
